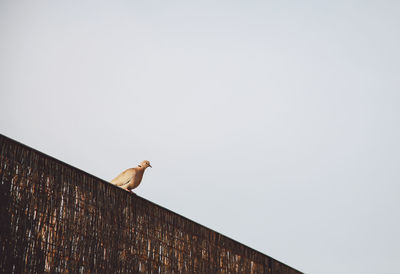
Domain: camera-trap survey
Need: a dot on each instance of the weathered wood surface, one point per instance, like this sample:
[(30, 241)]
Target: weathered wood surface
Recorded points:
[(58, 219)]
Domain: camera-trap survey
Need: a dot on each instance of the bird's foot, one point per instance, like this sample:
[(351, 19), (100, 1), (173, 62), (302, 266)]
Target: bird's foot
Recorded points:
[(130, 191)]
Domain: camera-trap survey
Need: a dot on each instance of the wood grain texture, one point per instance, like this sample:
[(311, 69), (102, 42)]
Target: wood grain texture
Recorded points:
[(58, 219)]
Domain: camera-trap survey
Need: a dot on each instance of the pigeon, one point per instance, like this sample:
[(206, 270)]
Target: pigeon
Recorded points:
[(131, 178)]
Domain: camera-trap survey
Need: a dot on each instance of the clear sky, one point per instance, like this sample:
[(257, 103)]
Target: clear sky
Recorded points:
[(276, 123)]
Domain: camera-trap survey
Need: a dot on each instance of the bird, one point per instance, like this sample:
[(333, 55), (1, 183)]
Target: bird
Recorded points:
[(132, 177)]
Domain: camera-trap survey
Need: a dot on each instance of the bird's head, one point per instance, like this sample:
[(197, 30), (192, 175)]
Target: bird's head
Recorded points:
[(145, 164)]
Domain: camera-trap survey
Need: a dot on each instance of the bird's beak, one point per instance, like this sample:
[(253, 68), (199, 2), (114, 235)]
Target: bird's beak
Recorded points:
[(150, 166)]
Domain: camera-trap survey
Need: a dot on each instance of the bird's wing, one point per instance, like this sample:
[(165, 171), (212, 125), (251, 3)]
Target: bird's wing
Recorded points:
[(124, 177)]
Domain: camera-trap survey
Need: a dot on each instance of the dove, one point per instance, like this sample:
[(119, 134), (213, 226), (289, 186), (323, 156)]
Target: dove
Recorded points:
[(131, 178)]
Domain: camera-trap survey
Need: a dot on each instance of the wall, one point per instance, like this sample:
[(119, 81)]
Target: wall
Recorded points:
[(57, 218)]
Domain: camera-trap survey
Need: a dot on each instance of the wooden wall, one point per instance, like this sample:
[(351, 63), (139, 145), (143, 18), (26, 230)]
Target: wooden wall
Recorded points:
[(58, 219)]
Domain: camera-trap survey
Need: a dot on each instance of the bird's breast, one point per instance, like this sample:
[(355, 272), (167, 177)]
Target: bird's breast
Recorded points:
[(138, 178)]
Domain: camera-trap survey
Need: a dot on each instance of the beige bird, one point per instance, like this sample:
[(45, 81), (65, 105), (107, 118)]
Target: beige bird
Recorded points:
[(131, 178)]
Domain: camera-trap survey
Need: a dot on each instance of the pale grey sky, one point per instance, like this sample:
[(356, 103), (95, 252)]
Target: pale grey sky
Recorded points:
[(276, 123)]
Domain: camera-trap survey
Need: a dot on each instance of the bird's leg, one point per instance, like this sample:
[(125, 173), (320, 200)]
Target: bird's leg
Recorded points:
[(130, 191)]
